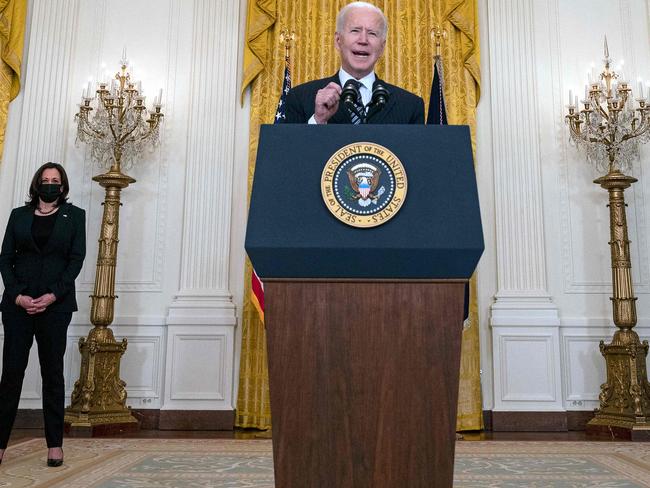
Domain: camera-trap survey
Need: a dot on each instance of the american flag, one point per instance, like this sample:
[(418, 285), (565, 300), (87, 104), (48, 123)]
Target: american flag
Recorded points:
[(437, 110), (257, 296), (286, 86), (257, 287)]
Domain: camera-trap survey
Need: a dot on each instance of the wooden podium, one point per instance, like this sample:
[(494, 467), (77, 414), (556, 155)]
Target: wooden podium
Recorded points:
[(364, 325)]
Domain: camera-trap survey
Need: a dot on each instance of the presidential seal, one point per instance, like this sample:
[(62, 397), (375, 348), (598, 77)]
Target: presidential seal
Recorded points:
[(363, 184)]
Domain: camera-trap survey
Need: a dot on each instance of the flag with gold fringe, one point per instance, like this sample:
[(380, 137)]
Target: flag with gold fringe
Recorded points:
[(257, 287), (257, 294)]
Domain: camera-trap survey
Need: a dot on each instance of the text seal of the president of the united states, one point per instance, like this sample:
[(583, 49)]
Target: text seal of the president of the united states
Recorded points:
[(364, 184)]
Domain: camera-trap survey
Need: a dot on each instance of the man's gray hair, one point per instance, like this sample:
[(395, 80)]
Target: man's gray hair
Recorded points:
[(340, 18)]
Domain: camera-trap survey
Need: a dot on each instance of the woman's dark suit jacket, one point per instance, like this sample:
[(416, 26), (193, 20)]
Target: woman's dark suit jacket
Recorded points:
[(28, 270)]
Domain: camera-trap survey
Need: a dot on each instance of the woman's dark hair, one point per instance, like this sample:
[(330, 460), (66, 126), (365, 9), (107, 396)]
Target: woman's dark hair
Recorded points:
[(36, 181)]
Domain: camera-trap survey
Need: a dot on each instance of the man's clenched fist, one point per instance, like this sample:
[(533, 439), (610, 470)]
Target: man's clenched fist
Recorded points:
[(327, 102)]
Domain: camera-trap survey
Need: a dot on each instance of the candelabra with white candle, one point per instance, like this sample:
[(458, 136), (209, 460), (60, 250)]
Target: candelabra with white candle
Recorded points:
[(114, 122), (608, 128)]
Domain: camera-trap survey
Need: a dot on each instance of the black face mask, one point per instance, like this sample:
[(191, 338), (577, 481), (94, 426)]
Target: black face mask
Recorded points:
[(49, 192)]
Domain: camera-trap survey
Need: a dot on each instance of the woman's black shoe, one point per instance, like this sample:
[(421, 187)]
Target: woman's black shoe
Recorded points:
[(55, 463)]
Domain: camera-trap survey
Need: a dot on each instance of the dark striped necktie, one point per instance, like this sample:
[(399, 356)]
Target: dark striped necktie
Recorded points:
[(354, 118)]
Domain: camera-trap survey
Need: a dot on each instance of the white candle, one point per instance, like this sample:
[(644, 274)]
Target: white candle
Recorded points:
[(89, 92), (570, 97), (577, 106), (160, 96)]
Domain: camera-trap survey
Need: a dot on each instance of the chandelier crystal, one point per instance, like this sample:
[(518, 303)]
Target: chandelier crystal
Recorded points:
[(608, 128), (115, 123)]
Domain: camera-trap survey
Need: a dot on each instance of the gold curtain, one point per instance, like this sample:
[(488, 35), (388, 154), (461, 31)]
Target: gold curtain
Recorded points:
[(12, 35), (407, 62)]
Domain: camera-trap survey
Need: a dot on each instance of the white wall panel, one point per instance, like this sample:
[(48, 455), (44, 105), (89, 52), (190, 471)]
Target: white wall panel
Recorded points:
[(198, 371), (143, 231), (584, 366), (527, 374), (191, 381), (142, 365), (523, 379), (581, 210)]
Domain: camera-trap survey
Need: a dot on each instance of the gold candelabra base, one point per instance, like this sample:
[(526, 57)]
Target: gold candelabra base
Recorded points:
[(625, 397), (98, 400)]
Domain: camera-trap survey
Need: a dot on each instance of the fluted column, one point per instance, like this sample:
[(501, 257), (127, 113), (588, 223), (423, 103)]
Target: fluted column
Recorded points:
[(46, 85), (203, 289), (201, 319), (524, 319)]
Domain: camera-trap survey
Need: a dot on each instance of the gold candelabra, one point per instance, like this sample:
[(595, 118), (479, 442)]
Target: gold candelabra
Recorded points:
[(609, 129), (117, 132)]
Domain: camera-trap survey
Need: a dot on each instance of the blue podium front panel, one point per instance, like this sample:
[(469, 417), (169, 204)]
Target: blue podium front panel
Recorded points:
[(436, 234)]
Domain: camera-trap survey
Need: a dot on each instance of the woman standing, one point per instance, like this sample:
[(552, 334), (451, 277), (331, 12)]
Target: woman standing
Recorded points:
[(42, 253)]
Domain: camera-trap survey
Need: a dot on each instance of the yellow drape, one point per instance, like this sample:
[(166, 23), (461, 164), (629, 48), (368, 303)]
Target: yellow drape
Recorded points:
[(407, 62), (12, 35)]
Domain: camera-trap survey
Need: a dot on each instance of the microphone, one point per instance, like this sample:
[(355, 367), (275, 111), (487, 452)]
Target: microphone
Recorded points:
[(380, 96), (350, 93)]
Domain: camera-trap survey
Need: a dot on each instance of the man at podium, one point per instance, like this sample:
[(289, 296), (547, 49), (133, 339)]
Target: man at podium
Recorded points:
[(355, 95)]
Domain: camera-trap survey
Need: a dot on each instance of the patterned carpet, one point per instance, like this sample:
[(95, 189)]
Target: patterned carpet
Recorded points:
[(217, 463)]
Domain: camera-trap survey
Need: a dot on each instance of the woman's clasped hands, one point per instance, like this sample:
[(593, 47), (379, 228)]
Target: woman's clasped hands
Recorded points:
[(35, 305)]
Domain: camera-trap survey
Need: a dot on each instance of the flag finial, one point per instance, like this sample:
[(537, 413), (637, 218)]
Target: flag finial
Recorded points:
[(437, 34), (287, 37)]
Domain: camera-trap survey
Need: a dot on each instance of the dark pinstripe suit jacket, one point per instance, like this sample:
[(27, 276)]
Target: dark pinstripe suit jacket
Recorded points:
[(403, 107)]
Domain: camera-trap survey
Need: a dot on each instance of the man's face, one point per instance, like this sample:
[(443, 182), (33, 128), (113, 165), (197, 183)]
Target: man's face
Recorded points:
[(360, 43)]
